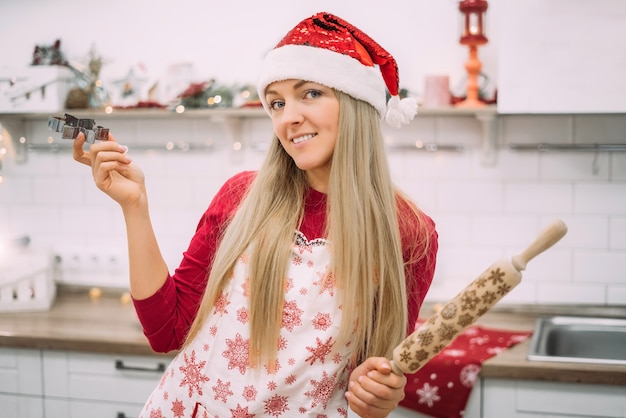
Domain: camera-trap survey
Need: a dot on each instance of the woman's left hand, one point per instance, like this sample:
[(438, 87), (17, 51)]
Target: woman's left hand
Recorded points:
[(374, 390)]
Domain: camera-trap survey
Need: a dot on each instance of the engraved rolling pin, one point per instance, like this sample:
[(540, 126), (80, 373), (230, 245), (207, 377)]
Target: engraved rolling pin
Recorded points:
[(471, 303)]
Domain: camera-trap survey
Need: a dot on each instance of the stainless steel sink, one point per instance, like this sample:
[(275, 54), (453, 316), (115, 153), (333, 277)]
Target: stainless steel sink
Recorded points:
[(579, 340)]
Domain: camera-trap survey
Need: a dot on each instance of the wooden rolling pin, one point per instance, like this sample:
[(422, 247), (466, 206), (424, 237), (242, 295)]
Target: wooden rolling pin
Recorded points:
[(470, 304)]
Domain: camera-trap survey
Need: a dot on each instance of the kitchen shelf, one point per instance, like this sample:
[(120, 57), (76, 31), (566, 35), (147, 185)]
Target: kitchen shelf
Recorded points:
[(146, 113), (216, 113), (232, 119), (487, 116), (544, 147), (427, 147)]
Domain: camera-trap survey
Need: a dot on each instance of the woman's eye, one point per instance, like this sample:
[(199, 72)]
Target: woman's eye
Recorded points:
[(312, 94), (277, 105)]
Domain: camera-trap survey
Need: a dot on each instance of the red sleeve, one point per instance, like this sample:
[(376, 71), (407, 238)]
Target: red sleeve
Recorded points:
[(167, 315), (417, 230)]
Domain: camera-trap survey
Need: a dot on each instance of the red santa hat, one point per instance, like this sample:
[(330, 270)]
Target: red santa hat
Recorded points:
[(326, 49)]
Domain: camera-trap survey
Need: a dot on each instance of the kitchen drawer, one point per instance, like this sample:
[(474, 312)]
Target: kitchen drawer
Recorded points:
[(113, 378), (20, 371), (527, 398), (20, 406), (71, 408), (571, 399)]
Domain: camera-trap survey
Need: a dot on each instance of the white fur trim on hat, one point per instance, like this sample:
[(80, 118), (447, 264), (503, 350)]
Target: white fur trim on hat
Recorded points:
[(326, 67)]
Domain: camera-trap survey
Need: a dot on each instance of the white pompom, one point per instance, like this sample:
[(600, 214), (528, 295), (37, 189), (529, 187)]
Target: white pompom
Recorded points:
[(400, 112)]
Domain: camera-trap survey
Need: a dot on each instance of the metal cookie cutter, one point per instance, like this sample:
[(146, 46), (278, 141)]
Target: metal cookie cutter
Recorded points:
[(71, 126)]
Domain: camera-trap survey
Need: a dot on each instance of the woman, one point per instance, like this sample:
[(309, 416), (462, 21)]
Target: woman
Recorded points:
[(308, 272)]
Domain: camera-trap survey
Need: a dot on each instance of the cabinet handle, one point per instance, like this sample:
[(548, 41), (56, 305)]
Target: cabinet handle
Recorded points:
[(121, 415), (119, 365)]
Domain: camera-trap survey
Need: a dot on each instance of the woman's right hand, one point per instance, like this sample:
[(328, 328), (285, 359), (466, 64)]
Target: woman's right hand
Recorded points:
[(112, 170)]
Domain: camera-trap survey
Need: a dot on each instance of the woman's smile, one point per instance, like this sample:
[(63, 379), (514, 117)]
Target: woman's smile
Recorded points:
[(302, 138)]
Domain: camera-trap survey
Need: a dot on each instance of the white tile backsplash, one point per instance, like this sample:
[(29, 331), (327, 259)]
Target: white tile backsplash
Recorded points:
[(513, 166), (616, 295), (461, 129), (171, 193), (85, 219), (618, 166), (464, 263), (599, 266), (57, 190), (484, 213), (576, 166), (571, 293), (590, 232), (555, 268), (522, 129), (504, 230), (530, 198), (470, 197), (453, 230), (617, 233), (423, 130), (38, 163), (32, 220), (16, 190), (600, 198), (422, 166)]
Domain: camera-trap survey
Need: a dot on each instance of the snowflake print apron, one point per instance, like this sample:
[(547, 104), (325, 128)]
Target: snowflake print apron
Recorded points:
[(212, 378)]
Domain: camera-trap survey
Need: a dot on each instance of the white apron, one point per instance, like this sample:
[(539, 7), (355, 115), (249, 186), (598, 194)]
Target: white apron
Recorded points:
[(211, 377)]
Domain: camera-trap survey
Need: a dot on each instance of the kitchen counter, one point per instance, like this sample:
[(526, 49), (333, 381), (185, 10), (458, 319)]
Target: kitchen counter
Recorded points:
[(76, 322), (106, 325)]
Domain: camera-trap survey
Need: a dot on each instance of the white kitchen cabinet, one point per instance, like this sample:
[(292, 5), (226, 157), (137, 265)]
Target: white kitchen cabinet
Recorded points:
[(20, 371), (60, 384), (114, 385), (21, 406), (21, 390), (527, 398), (72, 408)]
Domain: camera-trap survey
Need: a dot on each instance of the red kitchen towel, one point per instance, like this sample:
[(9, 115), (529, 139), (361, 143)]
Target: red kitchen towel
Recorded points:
[(442, 387)]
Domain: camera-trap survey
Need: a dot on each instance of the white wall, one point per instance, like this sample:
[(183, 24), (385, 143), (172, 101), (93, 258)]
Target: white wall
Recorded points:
[(562, 56), (227, 39), (482, 212)]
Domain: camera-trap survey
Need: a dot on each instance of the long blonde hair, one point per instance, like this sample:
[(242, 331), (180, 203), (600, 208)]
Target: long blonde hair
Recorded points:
[(362, 226)]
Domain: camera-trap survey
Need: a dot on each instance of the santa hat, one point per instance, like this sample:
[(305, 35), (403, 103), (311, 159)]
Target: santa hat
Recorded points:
[(326, 49)]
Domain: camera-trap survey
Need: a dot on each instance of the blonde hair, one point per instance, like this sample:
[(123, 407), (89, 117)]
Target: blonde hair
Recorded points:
[(362, 226)]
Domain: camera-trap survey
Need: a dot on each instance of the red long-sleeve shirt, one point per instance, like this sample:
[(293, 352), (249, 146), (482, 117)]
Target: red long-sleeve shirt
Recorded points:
[(167, 315)]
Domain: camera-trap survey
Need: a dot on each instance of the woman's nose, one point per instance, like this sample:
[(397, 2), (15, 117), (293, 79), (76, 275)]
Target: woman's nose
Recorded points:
[(292, 113)]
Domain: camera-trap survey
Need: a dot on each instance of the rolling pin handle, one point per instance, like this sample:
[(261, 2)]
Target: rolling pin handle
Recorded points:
[(546, 239)]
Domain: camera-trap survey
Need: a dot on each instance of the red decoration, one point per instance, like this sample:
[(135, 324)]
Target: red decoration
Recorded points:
[(443, 386), (195, 89), (473, 28), (473, 35)]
